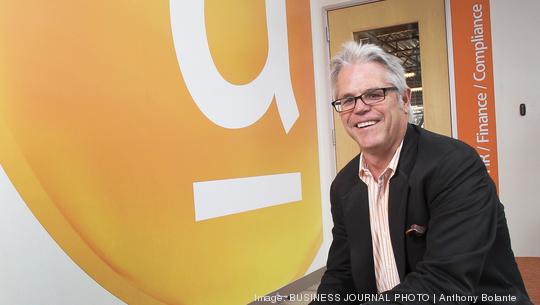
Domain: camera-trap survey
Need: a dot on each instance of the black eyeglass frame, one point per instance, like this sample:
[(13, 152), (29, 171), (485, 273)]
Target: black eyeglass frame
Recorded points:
[(337, 102)]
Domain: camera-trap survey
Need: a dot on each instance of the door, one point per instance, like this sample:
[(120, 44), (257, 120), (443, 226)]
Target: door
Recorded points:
[(413, 30)]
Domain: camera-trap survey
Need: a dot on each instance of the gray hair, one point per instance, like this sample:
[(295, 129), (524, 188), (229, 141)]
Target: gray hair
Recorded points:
[(354, 52)]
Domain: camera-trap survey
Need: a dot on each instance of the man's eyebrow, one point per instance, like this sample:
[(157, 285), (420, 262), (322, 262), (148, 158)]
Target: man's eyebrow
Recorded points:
[(371, 89), (347, 95), (353, 95)]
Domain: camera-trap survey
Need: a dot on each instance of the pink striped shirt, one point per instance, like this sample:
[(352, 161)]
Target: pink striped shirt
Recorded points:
[(386, 274)]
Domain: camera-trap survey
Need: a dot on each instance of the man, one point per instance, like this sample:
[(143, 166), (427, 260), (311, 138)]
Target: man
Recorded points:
[(416, 216)]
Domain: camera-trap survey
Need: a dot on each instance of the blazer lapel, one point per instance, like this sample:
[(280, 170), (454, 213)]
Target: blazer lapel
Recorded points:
[(398, 198), (356, 213), (397, 213)]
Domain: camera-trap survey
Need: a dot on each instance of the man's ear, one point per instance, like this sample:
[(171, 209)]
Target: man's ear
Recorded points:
[(407, 100)]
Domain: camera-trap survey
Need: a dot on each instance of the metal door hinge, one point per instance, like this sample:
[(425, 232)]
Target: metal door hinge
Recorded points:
[(327, 34)]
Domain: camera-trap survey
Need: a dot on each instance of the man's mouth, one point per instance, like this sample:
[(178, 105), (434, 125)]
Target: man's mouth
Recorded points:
[(366, 124)]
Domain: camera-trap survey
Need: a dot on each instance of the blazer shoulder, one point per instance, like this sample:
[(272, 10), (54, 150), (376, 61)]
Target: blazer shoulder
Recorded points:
[(347, 176), (436, 146)]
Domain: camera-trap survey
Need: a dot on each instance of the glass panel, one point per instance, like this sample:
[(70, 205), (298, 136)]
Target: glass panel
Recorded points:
[(404, 42)]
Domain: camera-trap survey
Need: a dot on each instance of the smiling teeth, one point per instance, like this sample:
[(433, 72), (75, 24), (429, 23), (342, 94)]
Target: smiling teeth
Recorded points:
[(365, 124)]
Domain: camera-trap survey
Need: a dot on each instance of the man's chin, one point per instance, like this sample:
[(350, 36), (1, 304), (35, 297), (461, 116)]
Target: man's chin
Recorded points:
[(365, 141), (367, 146)]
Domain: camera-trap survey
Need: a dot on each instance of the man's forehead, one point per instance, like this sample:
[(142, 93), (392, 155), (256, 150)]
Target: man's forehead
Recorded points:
[(360, 77), (366, 69)]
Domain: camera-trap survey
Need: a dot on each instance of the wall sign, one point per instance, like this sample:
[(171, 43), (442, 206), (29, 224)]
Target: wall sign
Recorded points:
[(473, 70), (169, 148)]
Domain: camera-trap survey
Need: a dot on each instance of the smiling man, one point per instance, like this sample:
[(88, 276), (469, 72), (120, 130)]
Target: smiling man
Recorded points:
[(416, 216)]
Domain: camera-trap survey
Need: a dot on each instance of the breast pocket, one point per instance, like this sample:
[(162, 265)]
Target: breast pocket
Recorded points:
[(415, 243)]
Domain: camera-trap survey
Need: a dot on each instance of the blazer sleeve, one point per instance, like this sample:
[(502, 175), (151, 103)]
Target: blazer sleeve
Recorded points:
[(337, 280), (463, 204)]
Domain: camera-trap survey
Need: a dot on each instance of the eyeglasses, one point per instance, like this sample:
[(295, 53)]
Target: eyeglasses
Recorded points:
[(369, 98)]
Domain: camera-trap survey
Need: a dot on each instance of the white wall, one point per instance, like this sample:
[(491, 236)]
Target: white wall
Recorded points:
[(516, 63), (324, 115), (516, 68), (35, 270)]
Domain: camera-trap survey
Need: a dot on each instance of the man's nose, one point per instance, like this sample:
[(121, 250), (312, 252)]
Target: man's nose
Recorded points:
[(361, 107)]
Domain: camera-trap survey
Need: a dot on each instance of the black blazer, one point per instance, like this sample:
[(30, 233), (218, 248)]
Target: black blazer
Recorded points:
[(440, 184)]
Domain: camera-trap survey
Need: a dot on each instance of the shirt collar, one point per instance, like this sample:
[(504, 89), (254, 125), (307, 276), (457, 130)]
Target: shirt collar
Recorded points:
[(392, 166)]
